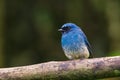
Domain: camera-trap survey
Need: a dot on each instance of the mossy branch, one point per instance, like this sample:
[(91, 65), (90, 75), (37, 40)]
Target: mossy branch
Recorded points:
[(86, 69)]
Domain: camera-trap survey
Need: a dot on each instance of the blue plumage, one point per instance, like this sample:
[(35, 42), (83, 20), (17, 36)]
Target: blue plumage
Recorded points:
[(74, 42)]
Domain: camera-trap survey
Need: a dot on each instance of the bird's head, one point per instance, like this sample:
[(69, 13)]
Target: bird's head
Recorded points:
[(68, 27)]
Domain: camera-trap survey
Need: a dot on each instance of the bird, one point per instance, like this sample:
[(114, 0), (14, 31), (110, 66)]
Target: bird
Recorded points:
[(74, 42)]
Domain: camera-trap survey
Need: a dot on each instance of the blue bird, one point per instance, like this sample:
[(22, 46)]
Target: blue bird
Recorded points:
[(74, 42)]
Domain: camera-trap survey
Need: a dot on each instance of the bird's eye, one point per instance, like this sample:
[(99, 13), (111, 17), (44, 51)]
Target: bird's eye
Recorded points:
[(66, 28)]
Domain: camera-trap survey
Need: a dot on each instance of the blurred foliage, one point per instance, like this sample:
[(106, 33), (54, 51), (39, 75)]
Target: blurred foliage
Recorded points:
[(115, 53), (28, 28)]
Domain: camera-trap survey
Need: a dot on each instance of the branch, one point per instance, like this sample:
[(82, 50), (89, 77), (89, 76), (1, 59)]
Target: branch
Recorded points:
[(87, 69)]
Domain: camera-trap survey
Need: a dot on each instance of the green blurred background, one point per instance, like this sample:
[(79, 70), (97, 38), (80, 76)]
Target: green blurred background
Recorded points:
[(28, 28)]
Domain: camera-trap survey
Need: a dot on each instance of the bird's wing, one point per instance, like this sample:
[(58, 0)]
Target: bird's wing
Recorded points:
[(89, 48), (88, 45)]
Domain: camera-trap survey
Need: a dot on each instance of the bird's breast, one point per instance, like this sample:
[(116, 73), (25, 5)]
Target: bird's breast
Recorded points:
[(74, 47)]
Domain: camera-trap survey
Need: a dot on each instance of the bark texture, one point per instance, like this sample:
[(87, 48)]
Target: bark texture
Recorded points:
[(86, 69)]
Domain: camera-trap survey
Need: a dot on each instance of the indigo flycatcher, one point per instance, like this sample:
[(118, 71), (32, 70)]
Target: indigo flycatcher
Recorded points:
[(74, 42)]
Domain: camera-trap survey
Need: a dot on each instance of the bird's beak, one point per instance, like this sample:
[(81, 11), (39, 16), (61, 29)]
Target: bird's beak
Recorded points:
[(61, 30)]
